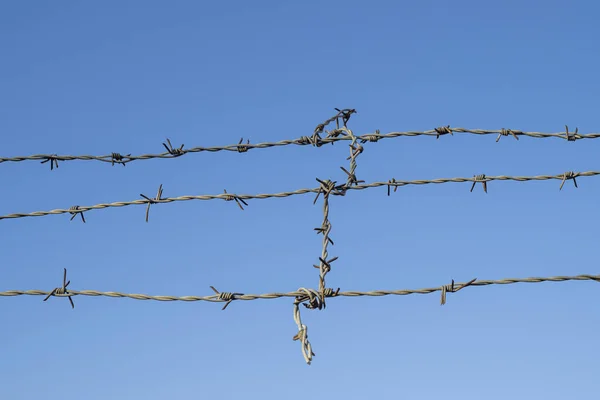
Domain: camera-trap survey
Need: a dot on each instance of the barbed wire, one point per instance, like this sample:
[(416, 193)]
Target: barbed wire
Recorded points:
[(314, 140), (223, 298), (340, 190), (308, 297)]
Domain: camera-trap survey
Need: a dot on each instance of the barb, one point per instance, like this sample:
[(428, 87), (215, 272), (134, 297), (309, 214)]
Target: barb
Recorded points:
[(569, 175), (241, 148), (391, 182), (571, 138), (74, 211), (62, 291), (53, 159), (453, 289), (443, 130), (175, 152), (119, 159), (506, 132), (338, 191), (480, 178), (327, 187), (226, 296), (238, 199), (373, 138), (155, 200), (315, 140)]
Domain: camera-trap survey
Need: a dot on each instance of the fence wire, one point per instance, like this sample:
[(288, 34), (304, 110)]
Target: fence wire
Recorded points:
[(314, 140), (223, 297), (337, 190), (310, 298)]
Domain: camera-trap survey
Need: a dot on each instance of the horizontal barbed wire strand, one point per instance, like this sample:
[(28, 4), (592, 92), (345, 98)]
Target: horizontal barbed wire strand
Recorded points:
[(117, 158), (375, 293), (231, 196)]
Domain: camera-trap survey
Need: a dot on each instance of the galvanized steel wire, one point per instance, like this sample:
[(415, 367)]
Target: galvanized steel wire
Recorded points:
[(310, 298)]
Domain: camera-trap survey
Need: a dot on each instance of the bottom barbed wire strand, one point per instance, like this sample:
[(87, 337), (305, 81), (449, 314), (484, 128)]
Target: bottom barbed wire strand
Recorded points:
[(216, 299)]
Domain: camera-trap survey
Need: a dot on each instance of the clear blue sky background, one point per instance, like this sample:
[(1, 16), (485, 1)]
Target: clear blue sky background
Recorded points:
[(83, 78)]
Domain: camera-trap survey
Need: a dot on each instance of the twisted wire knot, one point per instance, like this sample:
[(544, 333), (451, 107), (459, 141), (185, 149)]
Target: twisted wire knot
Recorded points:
[(569, 175), (443, 130), (315, 140), (344, 114), (225, 296), (480, 178), (393, 180), (313, 298), (53, 161), (334, 133), (310, 299), (155, 200), (118, 159), (568, 136), (453, 289), (242, 148), (506, 132), (330, 292), (327, 187), (371, 137), (62, 290), (175, 152), (232, 197), (74, 211)]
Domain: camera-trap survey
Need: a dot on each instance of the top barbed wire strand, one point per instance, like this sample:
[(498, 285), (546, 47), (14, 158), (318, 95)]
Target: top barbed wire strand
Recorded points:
[(118, 158), (341, 190)]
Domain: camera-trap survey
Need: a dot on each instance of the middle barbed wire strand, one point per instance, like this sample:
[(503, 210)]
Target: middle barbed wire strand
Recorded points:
[(226, 196)]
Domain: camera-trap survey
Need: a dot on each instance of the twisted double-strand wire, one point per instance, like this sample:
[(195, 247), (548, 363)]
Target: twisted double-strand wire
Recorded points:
[(299, 293), (226, 196), (117, 158)]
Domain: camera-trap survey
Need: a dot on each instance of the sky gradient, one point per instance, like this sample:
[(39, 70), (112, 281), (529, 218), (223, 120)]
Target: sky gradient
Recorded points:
[(96, 78)]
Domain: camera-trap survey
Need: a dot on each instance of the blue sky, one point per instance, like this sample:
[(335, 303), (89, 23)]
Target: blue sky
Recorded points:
[(83, 78)]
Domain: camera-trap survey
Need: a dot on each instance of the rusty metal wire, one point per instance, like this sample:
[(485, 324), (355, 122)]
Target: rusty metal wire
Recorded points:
[(117, 158), (339, 190)]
